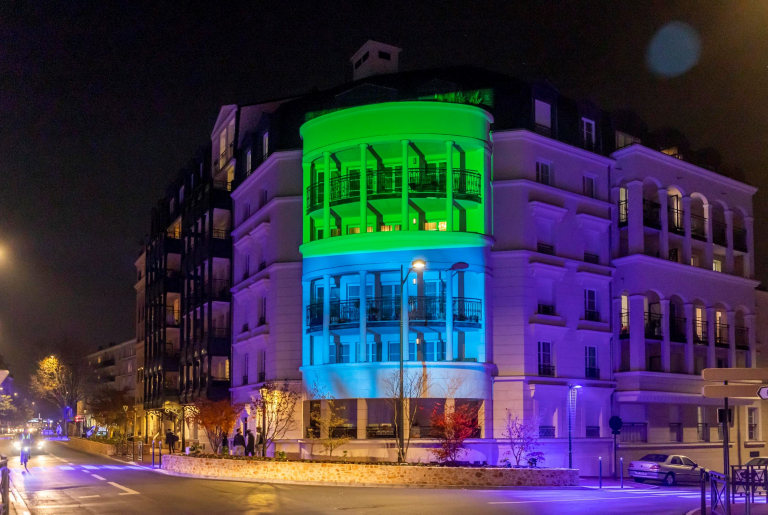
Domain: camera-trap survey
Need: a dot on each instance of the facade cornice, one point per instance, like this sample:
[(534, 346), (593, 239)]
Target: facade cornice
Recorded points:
[(566, 262), (544, 188), (246, 227), (526, 135), (547, 211), (696, 272), (682, 165), (263, 168), (592, 222)]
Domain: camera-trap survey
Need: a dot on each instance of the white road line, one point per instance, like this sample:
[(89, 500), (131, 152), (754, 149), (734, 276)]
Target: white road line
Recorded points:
[(575, 499), (88, 496), (98, 477), (127, 491)]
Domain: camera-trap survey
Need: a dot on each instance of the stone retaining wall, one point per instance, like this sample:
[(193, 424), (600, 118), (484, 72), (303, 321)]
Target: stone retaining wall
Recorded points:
[(81, 444), (368, 474)]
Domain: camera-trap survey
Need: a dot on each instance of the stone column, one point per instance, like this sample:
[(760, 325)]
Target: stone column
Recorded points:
[(729, 242), (664, 217), (326, 318), (405, 223), (449, 351), (361, 353), (637, 332), (711, 361), (327, 195), (666, 350), (749, 264), (689, 365), (362, 419), (449, 186), (364, 188), (635, 217), (731, 339), (687, 226), (709, 249), (750, 320)]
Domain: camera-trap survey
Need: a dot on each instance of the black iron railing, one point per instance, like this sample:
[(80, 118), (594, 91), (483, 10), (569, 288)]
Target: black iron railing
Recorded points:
[(719, 230), (546, 309), (653, 326), (384, 183), (651, 214), (467, 309), (721, 335), (380, 431), (344, 188), (345, 311), (591, 258), (742, 337), (222, 185), (592, 315), (430, 307), (593, 432), (592, 373), (219, 234), (677, 329), (262, 376), (623, 213), (546, 370), (315, 315), (700, 333), (634, 432), (262, 321), (543, 130), (466, 183), (675, 221), (545, 249), (624, 325), (216, 332), (314, 196), (382, 309), (698, 227), (546, 431), (740, 239)]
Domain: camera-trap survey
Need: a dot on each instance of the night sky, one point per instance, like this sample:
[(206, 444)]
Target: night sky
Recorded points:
[(102, 102)]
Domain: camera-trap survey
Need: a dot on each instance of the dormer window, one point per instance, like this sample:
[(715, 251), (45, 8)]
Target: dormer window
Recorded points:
[(385, 55), (543, 116)]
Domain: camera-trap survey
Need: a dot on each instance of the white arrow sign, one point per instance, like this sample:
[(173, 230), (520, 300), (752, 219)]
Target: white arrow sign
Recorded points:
[(763, 392)]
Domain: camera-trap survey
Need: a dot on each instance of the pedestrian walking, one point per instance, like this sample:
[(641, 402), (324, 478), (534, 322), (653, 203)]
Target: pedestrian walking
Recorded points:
[(259, 442), (238, 442), (58, 430), (170, 440), (250, 443)]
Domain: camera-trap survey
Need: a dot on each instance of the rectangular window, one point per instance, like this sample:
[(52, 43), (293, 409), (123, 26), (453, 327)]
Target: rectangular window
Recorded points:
[(590, 305), (435, 226), (588, 132), (245, 368), (219, 368), (353, 230), (543, 173), (589, 186), (545, 359), (543, 114), (694, 260), (717, 265), (752, 424), (384, 55), (389, 228), (590, 357), (265, 144), (248, 163)]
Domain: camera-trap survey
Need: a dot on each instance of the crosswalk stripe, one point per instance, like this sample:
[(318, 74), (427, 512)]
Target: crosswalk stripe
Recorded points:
[(66, 467), (113, 467), (90, 467)]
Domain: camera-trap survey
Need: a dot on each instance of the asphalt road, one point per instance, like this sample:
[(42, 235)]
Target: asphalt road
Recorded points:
[(63, 481)]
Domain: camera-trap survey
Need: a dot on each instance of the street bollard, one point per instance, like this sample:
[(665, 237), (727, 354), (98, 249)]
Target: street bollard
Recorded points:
[(153, 454), (601, 471), (160, 454), (621, 464)]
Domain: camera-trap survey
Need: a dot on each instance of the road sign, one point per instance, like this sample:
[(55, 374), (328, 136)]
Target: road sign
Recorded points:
[(731, 391), (615, 423), (735, 374), (763, 392)]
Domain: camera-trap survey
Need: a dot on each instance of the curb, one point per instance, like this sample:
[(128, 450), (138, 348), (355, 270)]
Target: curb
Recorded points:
[(17, 502)]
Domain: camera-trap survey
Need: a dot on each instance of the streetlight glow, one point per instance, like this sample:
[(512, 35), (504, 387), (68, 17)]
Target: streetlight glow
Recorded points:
[(418, 264)]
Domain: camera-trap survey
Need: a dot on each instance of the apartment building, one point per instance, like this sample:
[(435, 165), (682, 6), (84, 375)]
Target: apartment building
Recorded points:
[(140, 415), (114, 366)]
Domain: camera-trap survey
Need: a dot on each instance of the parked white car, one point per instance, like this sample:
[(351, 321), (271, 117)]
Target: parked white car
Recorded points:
[(667, 468)]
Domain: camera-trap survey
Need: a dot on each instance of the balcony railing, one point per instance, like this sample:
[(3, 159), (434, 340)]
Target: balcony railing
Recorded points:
[(675, 432), (546, 309), (592, 373), (721, 335), (677, 329), (219, 234), (546, 370), (384, 182), (623, 213), (702, 432), (262, 321), (344, 188), (380, 431), (592, 315), (314, 196), (742, 337), (593, 432), (675, 221), (591, 258), (219, 288), (216, 332), (719, 230), (624, 328), (382, 309), (543, 130), (653, 326), (634, 432), (700, 333), (651, 214), (106, 363), (698, 227), (546, 431), (740, 239), (466, 183), (222, 185), (545, 249), (172, 317)]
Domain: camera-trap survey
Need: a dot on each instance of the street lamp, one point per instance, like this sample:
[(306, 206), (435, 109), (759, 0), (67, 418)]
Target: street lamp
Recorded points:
[(125, 425), (263, 393), (571, 404)]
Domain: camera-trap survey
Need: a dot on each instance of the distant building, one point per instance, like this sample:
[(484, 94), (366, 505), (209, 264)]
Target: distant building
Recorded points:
[(114, 366)]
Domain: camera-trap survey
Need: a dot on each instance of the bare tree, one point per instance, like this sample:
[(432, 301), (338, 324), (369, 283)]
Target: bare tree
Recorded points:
[(279, 401), (523, 436), (415, 386), (328, 424)]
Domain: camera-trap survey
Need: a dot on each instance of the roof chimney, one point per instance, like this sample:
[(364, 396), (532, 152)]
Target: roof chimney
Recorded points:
[(374, 58)]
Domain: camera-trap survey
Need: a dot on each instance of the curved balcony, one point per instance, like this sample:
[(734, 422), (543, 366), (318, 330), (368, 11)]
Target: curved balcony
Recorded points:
[(387, 183), (467, 312)]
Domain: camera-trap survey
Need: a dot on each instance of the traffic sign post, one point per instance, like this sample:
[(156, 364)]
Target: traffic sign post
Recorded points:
[(615, 424)]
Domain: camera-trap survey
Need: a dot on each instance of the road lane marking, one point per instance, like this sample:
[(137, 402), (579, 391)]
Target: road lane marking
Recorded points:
[(127, 491), (65, 467), (88, 496), (99, 477), (89, 467)]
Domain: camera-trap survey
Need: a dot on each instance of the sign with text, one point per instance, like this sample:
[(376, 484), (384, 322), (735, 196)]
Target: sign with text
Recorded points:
[(732, 390)]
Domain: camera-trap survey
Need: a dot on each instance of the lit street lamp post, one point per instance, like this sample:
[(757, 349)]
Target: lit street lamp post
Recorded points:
[(571, 401), (263, 393)]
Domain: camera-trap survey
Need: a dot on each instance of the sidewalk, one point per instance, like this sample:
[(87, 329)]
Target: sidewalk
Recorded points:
[(738, 509)]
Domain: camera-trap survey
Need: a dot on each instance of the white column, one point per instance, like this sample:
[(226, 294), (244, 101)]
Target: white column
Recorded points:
[(326, 318), (363, 188), (362, 347), (362, 419), (749, 264), (405, 223), (327, 195), (449, 186), (709, 249), (449, 352), (750, 320), (731, 339), (664, 217), (687, 226), (635, 217), (689, 365), (636, 331), (711, 361), (729, 241), (665, 344)]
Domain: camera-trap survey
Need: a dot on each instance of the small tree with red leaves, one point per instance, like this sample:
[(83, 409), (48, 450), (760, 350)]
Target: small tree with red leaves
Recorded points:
[(451, 427), (217, 419)]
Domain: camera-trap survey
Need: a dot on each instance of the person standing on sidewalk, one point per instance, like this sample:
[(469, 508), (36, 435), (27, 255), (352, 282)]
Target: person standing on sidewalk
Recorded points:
[(250, 443), (238, 442)]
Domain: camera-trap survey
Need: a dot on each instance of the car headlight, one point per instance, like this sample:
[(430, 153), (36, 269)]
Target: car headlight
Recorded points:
[(17, 445), (40, 445)]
